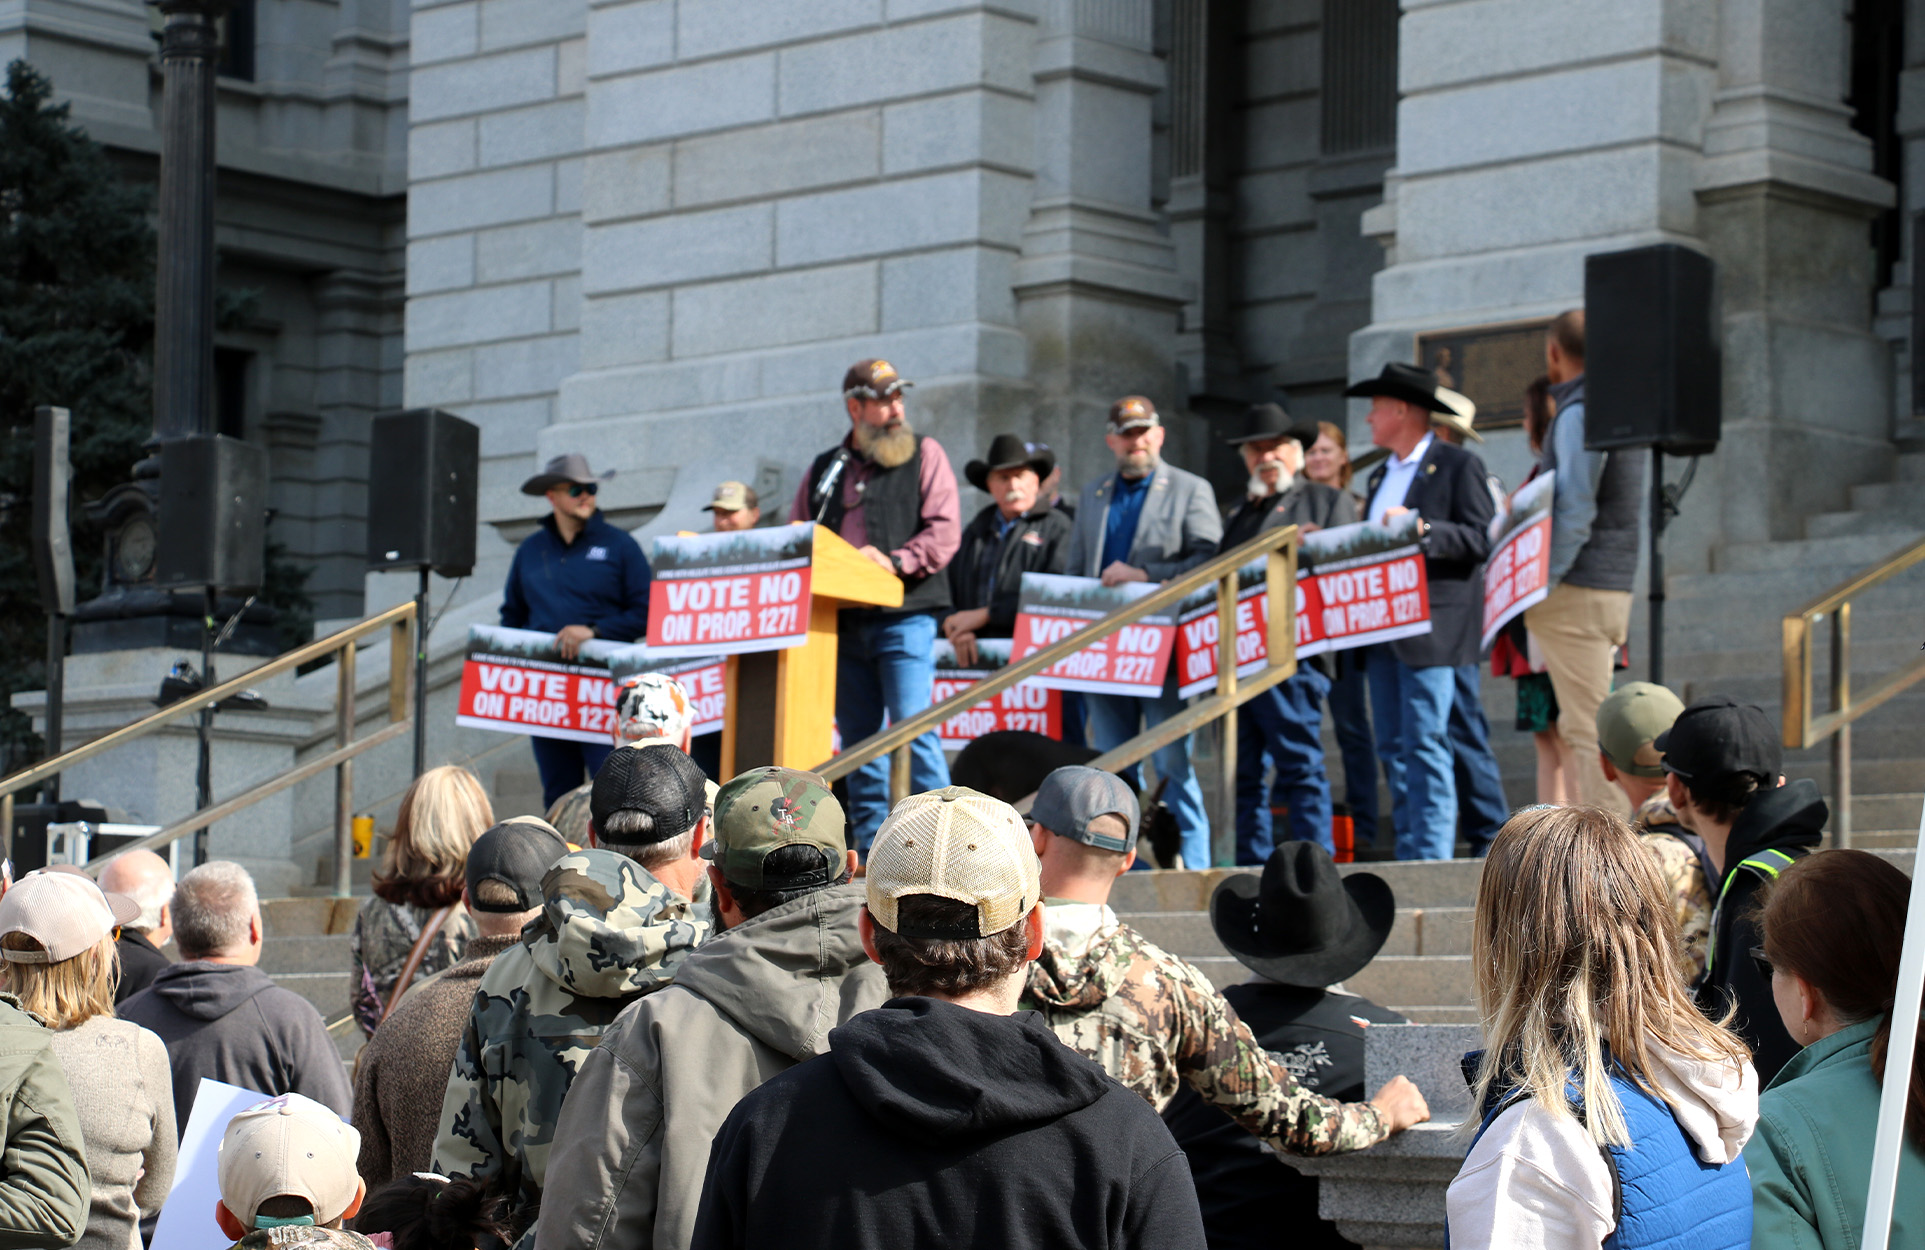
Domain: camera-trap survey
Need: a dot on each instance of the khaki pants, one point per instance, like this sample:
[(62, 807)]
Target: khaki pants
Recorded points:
[(1576, 627)]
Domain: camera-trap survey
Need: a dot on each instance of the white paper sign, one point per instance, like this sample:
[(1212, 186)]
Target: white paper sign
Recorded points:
[(187, 1221)]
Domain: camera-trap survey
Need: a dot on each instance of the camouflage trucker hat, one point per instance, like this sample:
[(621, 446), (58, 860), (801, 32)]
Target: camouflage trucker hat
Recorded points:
[(959, 844), (766, 809)]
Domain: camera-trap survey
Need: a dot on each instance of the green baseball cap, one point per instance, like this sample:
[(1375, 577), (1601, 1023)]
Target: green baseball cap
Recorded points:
[(766, 809), (1629, 722)]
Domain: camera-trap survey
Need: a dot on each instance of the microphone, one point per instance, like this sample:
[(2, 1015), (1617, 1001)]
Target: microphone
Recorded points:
[(825, 489)]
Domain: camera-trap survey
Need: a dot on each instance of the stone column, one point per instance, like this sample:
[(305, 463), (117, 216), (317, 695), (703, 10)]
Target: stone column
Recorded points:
[(184, 307), (1785, 193), (1098, 295)]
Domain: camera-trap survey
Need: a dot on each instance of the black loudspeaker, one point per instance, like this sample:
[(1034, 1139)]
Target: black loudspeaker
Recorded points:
[(213, 513), (1651, 362), (423, 466), (53, 553)]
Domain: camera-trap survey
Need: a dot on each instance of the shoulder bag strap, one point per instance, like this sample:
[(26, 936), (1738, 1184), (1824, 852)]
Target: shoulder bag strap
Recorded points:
[(415, 956)]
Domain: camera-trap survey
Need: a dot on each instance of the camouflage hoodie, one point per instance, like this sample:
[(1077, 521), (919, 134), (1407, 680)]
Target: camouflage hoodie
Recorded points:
[(1154, 1022), (608, 933)]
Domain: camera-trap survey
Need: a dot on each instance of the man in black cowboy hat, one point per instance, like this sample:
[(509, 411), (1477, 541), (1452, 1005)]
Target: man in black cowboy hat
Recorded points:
[(1016, 534), (1413, 681), (1154, 1022), (577, 577), (1283, 726), (891, 494), (1300, 929)]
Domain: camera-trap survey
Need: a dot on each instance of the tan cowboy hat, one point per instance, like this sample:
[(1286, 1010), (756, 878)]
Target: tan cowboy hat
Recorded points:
[(1462, 413)]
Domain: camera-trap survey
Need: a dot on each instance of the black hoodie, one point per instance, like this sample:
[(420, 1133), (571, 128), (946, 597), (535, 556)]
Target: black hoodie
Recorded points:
[(1775, 828), (929, 1124), (232, 1023)]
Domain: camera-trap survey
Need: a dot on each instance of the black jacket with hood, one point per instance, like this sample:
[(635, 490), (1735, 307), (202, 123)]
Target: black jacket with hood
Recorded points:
[(1776, 828), (931, 1124), (232, 1023)]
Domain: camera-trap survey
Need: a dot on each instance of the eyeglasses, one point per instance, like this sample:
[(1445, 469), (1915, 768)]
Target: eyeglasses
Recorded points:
[(577, 489), (1761, 961)]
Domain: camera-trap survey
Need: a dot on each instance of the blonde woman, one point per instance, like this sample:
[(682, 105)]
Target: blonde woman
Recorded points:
[(414, 925), (1613, 1113), (57, 942)]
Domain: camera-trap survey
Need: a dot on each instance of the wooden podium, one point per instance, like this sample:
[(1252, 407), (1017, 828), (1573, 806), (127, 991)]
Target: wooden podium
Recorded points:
[(781, 704)]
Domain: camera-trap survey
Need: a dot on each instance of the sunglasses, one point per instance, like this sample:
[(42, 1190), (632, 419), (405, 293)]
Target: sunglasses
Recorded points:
[(1761, 962), (576, 489)]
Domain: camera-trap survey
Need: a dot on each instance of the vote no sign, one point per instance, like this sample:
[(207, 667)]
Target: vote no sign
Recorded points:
[(1133, 660), (515, 681), (1025, 705), (724, 594)]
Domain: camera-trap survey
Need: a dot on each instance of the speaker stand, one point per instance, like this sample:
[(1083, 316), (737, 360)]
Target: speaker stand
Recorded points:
[(421, 673), (204, 734), (56, 695), (1659, 517)]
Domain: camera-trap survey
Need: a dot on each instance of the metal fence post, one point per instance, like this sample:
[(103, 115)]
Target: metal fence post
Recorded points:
[(344, 774), (899, 774), (1226, 687), (1841, 740)]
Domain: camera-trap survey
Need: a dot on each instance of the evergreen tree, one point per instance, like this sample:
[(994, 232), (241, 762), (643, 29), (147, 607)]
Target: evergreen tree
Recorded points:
[(76, 331)]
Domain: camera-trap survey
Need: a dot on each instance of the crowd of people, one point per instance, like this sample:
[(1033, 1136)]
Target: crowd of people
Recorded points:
[(706, 1021)]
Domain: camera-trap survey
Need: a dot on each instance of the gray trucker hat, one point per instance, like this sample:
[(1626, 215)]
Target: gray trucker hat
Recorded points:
[(1070, 798)]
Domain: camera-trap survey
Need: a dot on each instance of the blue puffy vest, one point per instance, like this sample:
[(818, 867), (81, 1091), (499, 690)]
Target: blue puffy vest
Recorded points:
[(1665, 1196)]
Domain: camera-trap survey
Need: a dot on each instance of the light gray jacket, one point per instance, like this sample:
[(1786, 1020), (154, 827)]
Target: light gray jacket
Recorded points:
[(632, 1146), (1178, 529)]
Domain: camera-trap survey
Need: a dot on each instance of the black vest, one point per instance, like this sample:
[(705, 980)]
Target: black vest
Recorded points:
[(1609, 559), (892, 511)]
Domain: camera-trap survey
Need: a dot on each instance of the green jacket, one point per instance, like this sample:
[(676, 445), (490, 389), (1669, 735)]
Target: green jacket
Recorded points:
[(1811, 1156), (608, 934), (44, 1190)]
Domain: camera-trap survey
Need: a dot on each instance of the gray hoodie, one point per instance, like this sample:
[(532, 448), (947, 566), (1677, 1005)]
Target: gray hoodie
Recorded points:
[(632, 1145)]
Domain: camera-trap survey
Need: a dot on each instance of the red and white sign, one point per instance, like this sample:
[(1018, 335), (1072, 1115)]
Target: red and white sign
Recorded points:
[(705, 679), (1025, 705), (1132, 660), (1363, 584), (1518, 574), (723, 594), (1197, 634), (515, 681)]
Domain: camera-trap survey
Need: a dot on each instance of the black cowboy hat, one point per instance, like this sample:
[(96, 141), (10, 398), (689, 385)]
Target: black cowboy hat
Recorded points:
[(1008, 452), (1410, 383), (1302, 922), (1271, 421)]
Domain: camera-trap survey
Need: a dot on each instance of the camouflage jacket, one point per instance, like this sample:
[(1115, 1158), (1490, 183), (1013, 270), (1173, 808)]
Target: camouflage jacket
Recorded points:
[(384, 937), (1153, 1022), (608, 934), (1684, 882), (290, 1235)]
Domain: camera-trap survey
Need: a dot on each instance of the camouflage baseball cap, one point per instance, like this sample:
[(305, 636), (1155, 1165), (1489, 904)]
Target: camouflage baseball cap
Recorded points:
[(653, 707), (732, 497), (872, 379), (1629, 722), (765, 809)]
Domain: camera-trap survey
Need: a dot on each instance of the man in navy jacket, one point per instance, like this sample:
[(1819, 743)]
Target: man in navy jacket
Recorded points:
[(1413, 680), (577, 577)]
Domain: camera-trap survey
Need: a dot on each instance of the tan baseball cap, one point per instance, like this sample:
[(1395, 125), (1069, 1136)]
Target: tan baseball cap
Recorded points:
[(959, 844), (1132, 412), (733, 497), (64, 911), (288, 1146)]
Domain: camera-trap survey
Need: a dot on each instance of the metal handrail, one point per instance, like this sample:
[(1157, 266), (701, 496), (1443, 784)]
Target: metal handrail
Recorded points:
[(401, 621), (1803, 728), (1280, 577)]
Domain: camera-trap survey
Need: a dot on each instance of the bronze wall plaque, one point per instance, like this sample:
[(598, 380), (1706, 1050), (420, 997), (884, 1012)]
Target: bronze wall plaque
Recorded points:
[(1492, 364)]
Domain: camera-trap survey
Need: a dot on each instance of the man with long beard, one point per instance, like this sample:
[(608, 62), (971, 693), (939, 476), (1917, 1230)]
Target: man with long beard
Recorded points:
[(890, 493)]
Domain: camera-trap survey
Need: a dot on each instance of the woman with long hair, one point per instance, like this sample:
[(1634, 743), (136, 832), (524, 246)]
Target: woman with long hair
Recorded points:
[(1328, 462), (1833, 926), (1610, 1108), (57, 942), (414, 924)]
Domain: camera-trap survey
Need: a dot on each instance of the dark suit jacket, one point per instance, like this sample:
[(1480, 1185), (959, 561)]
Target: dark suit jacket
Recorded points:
[(1451, 494), (140, 963)]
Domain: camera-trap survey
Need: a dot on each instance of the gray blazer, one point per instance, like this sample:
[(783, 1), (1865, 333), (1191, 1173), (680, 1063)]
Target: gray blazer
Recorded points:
[(1178, 529)]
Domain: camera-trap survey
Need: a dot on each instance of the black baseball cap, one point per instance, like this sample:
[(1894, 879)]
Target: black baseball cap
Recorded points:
[(660, 780), (515, 853), (1717, 736)]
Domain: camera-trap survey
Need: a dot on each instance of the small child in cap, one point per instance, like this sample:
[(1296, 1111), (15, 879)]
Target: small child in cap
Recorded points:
[(287, 1177)]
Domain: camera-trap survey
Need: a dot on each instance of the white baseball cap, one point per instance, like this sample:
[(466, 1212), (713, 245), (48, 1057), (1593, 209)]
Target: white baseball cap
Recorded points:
[(64, 911), (288, 1146), (954, 843)]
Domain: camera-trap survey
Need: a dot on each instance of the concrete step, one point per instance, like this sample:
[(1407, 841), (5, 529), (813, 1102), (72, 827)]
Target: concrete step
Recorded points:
[(1417, 931), (1889, 497), (516, 792), (332, 954), (1431, 980), (1435, 883), (1895, 518), (302, 917), (1826, 554), (1790, 584), (328, 991)]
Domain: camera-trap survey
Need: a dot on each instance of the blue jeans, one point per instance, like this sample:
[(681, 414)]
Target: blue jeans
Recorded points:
[(561, 763), (1412, 709), (885, 664), (1350, 717), (1114, 719), (1284, 724), (1480, 789)]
